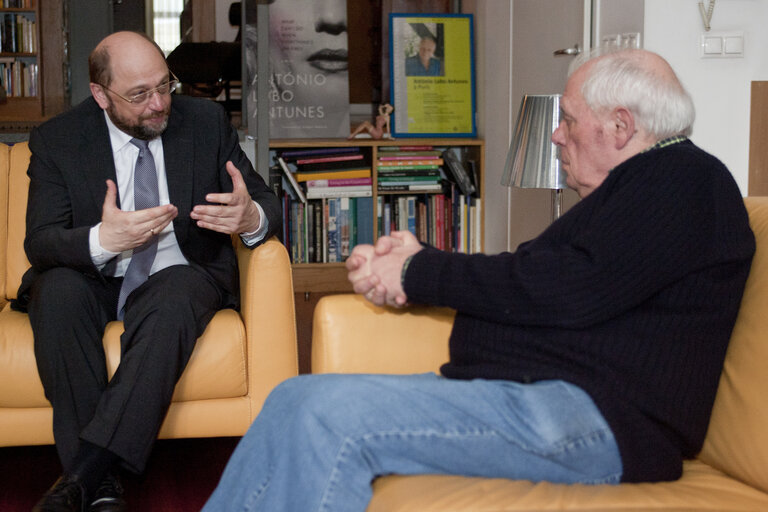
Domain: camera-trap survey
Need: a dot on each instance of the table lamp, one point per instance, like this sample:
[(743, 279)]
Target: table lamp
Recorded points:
[(533, 160)]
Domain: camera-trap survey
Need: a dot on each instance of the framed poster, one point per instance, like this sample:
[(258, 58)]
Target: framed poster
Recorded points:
[(308, 67), (432, 75)]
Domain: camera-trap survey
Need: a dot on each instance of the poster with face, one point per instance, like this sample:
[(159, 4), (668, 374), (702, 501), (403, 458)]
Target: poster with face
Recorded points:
[(308, 83)]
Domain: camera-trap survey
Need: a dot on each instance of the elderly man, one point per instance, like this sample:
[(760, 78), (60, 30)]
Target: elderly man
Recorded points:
[(133, 197), (589, 355)]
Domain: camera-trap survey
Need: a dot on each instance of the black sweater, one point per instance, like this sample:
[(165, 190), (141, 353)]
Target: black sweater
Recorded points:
[(631, 295)]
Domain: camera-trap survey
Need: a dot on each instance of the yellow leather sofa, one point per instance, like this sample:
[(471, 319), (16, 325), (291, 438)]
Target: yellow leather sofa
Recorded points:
[(235, 364), (730, 473)]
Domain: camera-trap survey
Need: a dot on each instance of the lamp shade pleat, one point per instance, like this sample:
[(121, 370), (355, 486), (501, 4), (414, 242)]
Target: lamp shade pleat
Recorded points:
[(533, 160)]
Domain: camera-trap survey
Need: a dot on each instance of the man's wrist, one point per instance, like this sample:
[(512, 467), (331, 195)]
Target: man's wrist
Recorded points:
[(405, 269), (252, 237)]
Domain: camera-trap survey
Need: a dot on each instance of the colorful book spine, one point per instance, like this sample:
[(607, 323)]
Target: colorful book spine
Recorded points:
[(326, 159), (292, 154), (321, 192), (327, 175), (407, 163), (343, 182)]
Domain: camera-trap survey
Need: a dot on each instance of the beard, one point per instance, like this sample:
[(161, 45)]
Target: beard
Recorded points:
[(137, 129)]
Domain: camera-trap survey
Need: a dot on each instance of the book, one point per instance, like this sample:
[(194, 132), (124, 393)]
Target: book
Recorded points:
[(410, 206), (341, 182), (320, 192), (410, 155), (344, 227), (402, 163), (333, 230), (292, 180), (364, 220), (459, 173), (330, 158), (293, 154), (406, 148), (407, 178), (332, 165), (276, 180), (387, 173), (430, 187), (328, 175)]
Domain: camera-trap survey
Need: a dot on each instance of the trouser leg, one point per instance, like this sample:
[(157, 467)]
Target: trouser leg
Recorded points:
[(163, 319), (68, 312), (321, 440)]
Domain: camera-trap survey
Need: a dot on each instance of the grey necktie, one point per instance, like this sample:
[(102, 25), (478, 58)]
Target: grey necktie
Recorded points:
[(145, 195)]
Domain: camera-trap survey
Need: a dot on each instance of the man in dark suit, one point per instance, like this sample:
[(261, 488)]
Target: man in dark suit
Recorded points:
[(85, 225)]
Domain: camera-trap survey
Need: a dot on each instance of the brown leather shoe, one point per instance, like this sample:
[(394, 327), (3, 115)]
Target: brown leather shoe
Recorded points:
[(66, 495), (109, 496)]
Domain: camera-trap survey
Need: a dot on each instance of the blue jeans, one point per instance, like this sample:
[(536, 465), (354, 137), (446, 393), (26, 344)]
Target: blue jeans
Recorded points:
[(321, 440)]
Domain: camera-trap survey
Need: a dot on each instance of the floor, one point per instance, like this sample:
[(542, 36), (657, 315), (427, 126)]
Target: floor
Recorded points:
[(180, 475)]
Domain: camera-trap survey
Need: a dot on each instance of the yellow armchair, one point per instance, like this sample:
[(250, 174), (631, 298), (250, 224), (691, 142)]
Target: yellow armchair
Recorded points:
[(236, 363), (731, 472)]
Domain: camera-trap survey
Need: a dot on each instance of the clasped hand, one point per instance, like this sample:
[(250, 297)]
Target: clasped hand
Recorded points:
[(375, 270), (234, 212)]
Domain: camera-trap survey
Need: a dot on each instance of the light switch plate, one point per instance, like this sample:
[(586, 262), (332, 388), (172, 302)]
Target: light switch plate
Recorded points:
[(720, 45)]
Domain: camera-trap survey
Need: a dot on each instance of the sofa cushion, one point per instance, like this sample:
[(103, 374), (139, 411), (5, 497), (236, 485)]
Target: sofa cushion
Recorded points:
[(701, 488), (222, 345), (347, 337), (737, 439)]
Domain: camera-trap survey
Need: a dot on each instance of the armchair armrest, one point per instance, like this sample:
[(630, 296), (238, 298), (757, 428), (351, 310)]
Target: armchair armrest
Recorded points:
[(351, 335), (267, 309)]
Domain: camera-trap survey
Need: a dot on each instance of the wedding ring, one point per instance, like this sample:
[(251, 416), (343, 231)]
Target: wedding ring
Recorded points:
[(152, 231)]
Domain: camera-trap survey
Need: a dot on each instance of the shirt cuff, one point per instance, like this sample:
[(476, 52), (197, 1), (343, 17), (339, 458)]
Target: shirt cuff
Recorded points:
[(404, 270), (99, 255), (252, 238)]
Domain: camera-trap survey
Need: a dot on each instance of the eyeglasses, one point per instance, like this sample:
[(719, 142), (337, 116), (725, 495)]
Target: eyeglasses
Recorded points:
[(141, 98)]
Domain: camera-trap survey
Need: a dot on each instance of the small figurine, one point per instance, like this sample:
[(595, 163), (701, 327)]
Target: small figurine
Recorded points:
[(381, 129)]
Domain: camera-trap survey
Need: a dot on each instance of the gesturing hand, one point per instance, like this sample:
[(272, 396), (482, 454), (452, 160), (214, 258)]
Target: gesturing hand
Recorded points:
[(122, 230), (234, 211)]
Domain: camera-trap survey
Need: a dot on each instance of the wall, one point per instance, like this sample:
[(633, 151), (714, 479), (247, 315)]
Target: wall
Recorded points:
[(89, 23), (720, 87), (224, 31)]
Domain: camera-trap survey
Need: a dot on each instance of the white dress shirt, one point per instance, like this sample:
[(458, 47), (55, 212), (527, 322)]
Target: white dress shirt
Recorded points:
[(168, 251)]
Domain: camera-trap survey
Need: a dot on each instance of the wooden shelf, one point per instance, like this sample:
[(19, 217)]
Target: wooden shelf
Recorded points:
[(19, 113), (332, 277)]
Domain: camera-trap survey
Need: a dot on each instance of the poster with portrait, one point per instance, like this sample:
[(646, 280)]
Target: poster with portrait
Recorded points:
[(308, 54), (432, 75)]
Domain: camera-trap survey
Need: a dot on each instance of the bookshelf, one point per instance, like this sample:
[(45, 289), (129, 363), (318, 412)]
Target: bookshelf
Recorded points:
[(332, 277), (32, 58)]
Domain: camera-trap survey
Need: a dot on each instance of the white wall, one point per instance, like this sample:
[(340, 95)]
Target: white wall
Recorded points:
[(720, 87)]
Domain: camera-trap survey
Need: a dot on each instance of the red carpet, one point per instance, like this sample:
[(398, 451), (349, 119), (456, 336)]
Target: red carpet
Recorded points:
[(180, 475)]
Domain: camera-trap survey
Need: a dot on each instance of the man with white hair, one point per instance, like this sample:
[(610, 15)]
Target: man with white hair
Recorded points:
[(589, 355)]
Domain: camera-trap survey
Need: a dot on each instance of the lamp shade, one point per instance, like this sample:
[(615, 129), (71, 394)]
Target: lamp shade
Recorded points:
[(533, 160)]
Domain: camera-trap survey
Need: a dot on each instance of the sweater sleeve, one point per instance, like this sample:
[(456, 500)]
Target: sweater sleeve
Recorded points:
[(643, 228)]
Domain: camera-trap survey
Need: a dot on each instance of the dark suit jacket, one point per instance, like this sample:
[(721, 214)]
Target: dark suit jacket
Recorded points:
[(72, 159)]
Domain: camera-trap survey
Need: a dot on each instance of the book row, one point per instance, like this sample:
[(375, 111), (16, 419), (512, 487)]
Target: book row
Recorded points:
[(19, 4), (326, 230), (344, 172), (19, 79), (18, 33)]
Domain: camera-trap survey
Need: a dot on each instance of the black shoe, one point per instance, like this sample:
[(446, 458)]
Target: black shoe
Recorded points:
[(109, 496), (66, 495)]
